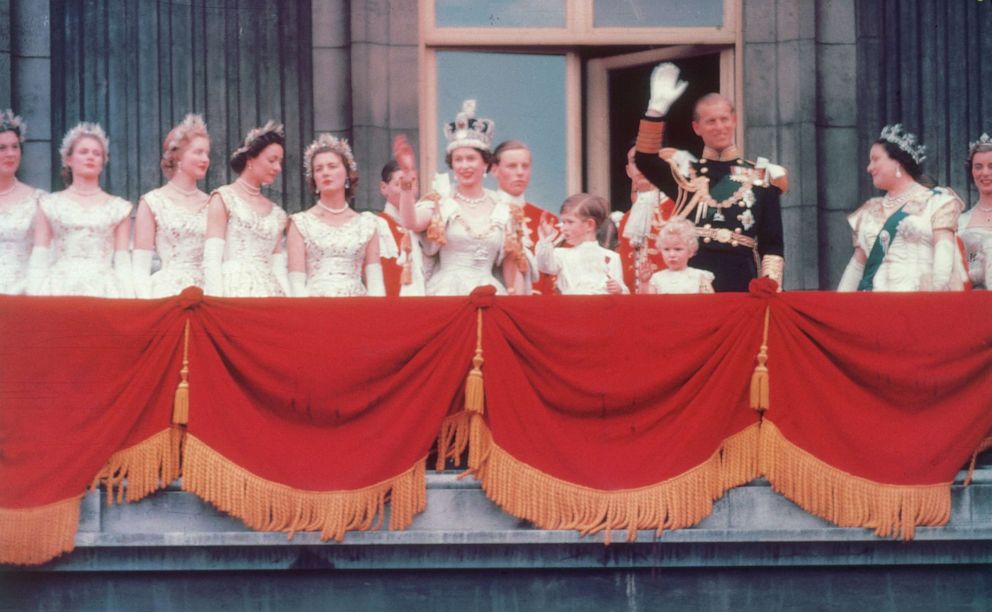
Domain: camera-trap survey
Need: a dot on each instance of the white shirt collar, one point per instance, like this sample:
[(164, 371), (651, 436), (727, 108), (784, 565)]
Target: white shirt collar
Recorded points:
[(519, 200)]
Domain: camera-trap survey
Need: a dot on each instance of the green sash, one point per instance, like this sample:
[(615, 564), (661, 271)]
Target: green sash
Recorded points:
[(879, 248)]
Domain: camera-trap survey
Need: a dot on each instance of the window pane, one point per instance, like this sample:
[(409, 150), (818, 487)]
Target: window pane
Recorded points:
[(657, 13), (525, 96), (500, 13)]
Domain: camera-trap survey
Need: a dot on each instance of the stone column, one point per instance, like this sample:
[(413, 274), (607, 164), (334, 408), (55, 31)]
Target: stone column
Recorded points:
[(332, 81), (30, 84)]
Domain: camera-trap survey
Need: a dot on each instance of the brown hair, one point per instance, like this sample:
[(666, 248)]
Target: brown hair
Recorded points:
[(589, 206), (178, 140), (508, 145)]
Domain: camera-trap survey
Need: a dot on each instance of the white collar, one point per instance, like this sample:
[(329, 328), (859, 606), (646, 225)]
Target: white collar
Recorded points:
[(519, 200), (392, 211)]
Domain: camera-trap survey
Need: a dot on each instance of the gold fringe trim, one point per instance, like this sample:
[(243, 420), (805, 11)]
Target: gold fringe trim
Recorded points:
[(180, 406), (551, 503), (148, 466), (760, 378), (847, 500), (453, 439), (985, 445), (31, 536), (265, 505)]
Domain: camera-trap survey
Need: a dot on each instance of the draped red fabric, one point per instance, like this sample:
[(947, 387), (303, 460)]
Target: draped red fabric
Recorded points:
[(619, 393), (893, 388), (326, 394), (80, 379)]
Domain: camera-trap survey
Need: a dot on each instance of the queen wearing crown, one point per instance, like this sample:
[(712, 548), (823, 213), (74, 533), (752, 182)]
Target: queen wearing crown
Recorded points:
[(904, 240), (468, 230)]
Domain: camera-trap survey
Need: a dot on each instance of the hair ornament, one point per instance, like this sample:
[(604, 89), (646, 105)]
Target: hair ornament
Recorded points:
[(983, 141), (257, 133), (906, 141), (84, 128), (328, 143), (9, 122)]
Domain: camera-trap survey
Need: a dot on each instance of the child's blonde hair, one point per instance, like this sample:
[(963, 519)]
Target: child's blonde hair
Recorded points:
[(684, 230), (589, 206)]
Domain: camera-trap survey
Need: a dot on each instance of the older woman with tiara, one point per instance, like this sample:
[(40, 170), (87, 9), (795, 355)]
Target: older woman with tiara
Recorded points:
[(331, 247), (81, 234), (469, 230), (18, 206), (242, 255), (975, 226), (173, 218), (904, 240)]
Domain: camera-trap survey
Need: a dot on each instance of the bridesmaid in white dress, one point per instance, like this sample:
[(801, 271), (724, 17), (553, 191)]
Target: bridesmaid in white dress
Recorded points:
[(330, 245), (18, 206), (172, 219), (471, 232), (975, 226), (242, 256), (82, 233)]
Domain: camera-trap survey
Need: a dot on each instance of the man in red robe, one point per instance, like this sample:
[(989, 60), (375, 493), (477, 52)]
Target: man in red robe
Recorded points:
[(646, 258), (403, 274)]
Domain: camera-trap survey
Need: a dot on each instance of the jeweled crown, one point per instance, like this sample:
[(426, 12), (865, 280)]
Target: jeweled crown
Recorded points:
[(906, 141), (983, 141), (328, 142), (468, 131)]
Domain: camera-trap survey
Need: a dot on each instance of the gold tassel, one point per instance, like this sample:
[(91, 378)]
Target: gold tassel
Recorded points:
[(759, 379), (406, 272), (32, 536), (475, 395), (147, 466), (180, 406), (985, 445)]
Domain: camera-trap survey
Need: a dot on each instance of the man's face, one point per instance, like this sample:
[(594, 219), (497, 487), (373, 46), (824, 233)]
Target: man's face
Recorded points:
[(513, 171), (716, 125)]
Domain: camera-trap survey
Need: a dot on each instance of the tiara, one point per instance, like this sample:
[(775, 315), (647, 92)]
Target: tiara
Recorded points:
[(906, 142), (84, 129), (270, 127), (191, 124), (467, 131), (983, 141), (324, 143), (9, 122)]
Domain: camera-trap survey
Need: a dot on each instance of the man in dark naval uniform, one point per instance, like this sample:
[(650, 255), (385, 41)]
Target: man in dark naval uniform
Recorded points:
[(733, 202)]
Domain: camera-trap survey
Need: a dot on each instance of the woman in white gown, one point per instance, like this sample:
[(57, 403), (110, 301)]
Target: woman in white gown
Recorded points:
[(242, 255), (975, 226), (81, 234), (172, 219), (18, 206), (331, 247), (471, 232), (904, 240)]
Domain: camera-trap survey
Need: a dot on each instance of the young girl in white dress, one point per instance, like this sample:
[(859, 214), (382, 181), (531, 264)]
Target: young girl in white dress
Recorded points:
[(678, 242), (331, 247), (173, 218), (18, 206), (242, 255), (82, 234), (586, 268)]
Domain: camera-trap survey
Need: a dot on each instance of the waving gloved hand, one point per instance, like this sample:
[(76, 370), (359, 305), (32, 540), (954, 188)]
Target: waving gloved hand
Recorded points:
[(665, 88)]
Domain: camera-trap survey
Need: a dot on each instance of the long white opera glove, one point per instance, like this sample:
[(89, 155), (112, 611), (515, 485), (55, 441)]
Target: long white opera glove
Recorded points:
[(37, 269), (124, 273), (213, 266), (298, 284), (986, 281), (943, 262), (373, 280), (665, 87), (141, 265), (853, 274), (638, 224), (281, 272)]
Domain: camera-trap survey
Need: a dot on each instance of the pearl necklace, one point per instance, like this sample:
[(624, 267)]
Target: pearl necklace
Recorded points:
[(985, 210), (187, 194), (890, 202), (471, 202), (251, 189), (11, 190), (84, 194), (333, 211)]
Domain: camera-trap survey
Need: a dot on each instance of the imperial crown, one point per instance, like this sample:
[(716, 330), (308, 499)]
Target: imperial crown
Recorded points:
[(467, 131)]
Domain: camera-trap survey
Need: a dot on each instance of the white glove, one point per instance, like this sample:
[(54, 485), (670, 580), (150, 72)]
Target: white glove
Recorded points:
[(213, 266), (37, 269), (124, 272), (141, 265), (279, 269), (853, 274), (683, 159), (373, 280), (665, 88), (943, 262), (441, 184), (638, 224), (298, 284)]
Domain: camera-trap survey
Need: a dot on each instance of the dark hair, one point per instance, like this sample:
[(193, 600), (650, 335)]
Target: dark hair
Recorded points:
[(350, 187), (239, 159), (508, 145), (391, 168), (904, 159), (487, 157)]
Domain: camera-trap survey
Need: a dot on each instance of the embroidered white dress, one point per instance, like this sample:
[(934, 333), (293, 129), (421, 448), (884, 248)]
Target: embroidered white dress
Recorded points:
[(978, 249), (16, 240), (82, 246), (581, 270), (470, 254), (908, 261), (687, 280), (179, 237), (336, 255), (250, 240)]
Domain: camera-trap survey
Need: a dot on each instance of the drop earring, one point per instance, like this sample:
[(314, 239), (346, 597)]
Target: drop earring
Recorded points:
[(347, 183), (898, 173)]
